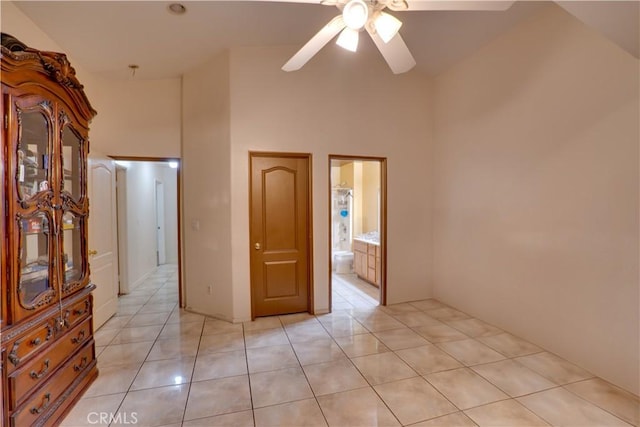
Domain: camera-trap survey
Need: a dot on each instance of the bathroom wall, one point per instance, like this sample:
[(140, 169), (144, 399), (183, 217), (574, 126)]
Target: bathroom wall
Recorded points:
[(536, 192), (364, 178), (370, 193)]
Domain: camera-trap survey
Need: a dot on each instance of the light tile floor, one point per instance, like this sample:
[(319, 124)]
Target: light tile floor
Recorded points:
[(420, 363)]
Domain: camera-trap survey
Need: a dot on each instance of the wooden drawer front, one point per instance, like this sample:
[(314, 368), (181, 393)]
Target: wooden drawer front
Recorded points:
[(77, 312), (371, 249), (38, 370), (359, 246), (38, 403), (25, 346)]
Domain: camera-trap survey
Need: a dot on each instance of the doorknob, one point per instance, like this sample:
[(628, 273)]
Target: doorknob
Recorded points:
[(93, 252), (257, 246)]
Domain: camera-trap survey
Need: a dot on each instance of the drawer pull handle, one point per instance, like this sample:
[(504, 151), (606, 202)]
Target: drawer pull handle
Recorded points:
[(80, 312), (79, 338), (83, 364), (45, 405), (37, 375), (36, 341)]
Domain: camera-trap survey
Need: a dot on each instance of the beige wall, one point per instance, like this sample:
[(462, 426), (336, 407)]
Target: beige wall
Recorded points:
[(135, 117), (333, 105), (17, 24), (206, 189), (536, 192), (346, 175), (364, 178), (370, 188)]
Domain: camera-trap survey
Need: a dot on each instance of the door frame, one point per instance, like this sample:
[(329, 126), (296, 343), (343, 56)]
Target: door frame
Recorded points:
[(309, 158), (181, 290), (382, 219)]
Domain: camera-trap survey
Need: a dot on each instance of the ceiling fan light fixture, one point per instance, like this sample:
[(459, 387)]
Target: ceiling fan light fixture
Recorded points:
[(387, 26), (355, 14), (348, 39)]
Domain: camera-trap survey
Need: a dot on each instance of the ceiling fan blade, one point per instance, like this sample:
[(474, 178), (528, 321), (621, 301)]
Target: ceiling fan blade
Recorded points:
[(396, 52), (316, 43), (488, 5)]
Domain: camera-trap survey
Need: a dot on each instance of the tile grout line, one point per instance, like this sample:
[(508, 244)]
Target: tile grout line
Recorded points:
[(147, 355)]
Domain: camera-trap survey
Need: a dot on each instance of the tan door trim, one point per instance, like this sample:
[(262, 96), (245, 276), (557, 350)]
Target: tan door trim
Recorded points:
[(383, 221), (309, 158)]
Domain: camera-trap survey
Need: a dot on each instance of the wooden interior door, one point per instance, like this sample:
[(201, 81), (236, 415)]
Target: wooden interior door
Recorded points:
[(280, 233)]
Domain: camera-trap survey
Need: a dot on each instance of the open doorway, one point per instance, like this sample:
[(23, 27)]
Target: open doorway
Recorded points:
[(357, 259), (147, 195)]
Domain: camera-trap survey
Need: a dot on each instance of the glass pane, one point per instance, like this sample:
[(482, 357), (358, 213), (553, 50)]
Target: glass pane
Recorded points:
[(34, 257), (71, 161), (33, 156), (72, 244)]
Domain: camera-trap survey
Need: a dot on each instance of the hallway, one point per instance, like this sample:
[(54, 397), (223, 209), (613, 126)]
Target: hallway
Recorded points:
[(421, 363)]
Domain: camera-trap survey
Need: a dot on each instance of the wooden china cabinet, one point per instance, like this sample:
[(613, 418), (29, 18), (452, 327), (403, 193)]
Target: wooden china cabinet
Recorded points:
[(47, 346)]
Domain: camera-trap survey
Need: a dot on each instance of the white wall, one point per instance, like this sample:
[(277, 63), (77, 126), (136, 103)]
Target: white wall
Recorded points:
[(206, 189), (338, 103), (536, 192)]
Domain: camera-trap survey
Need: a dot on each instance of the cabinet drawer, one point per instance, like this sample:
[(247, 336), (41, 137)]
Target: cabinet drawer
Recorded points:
[(34, 373), (359, 246), (371, 249), (46, 395), (28, 344), (77, 312)]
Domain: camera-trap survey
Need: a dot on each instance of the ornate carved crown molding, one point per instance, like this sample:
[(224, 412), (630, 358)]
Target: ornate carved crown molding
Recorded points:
[(54, 64), (58, 67)]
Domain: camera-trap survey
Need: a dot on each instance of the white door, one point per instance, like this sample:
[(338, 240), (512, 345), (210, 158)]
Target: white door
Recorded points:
[(103, 246), (161, 250)]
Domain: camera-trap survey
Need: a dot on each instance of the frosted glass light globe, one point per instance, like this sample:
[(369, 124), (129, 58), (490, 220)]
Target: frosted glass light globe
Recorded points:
[(355, 14)]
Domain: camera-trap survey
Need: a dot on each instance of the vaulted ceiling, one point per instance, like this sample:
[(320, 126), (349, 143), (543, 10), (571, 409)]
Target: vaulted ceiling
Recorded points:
[(104, 37)]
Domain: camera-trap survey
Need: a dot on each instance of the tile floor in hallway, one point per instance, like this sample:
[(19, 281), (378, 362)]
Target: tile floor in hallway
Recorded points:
[(421, 363)]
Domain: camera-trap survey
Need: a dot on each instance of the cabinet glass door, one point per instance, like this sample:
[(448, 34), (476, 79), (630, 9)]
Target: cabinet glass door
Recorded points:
[(71, 162), (72, 247), (34, 258), (32, 171)]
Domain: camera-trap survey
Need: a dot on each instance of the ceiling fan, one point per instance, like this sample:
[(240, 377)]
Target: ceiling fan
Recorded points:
[(382, 27)]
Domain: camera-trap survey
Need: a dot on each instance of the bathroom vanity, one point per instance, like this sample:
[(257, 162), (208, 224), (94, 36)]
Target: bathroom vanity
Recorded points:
[(367, 259)]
